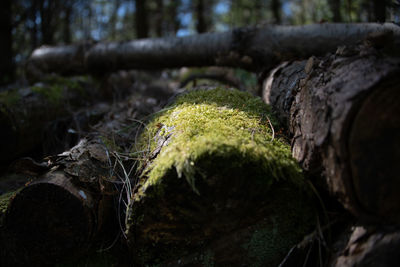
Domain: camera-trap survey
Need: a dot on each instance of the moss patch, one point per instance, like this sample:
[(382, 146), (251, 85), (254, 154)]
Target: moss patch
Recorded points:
[(216, 123), (4, 201)]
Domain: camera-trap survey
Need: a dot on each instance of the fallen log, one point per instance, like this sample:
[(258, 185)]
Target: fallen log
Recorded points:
[(59, 215), (249, 48), (76, 203), (367, 246), (342, 113), (217, 186)]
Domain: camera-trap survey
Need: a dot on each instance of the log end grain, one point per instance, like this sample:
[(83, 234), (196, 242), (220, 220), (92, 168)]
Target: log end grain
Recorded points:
[(374, 151), (49, 221)]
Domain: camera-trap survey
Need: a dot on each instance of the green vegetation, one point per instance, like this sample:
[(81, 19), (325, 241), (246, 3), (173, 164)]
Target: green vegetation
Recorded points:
[(217, 123), (4, 201), (213, 157)]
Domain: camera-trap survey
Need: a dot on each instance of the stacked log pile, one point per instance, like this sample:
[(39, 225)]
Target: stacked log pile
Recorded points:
[(213, 178)]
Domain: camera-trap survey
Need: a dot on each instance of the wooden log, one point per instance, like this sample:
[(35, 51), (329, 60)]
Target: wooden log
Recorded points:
[(73, 206), (342, 113), (252, 48), (59, 215), (367, 246), (216, 182)]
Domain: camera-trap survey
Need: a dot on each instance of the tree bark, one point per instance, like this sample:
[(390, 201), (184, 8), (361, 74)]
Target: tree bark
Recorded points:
[(78, 198), (7, 68), (252, 48), (367, 246), (342, 114), (59, 215)]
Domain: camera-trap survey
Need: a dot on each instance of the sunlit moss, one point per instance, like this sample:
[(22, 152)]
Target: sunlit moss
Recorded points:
[(219, 123)]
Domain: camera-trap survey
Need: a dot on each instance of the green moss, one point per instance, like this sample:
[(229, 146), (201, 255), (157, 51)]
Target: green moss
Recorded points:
[(271, 240), (216, 123), (4, 201), (53, 93), (9, 98)]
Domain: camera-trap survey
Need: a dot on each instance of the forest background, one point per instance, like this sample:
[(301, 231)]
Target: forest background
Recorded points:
[(28, 24)]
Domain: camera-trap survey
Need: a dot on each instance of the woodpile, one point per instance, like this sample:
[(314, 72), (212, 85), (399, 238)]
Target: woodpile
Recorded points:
[(217, 177)]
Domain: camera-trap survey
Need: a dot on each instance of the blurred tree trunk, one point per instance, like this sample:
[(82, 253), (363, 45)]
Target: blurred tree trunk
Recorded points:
[(276, 7), (141, 23), (335, 8), (201, 25), (172, 13), (33, 30), (7, 70), (380, 10), (113, 19), (48, 15), (159, 18), (67, 22)]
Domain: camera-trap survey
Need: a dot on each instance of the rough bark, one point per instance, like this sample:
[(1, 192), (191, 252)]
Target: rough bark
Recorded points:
[(249, 48), (343, 116), (213, 189), (367, 246), (59, 215), (77, 199)]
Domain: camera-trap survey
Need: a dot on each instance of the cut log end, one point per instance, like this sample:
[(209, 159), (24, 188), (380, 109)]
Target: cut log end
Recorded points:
[(374, 151), (50, 220)]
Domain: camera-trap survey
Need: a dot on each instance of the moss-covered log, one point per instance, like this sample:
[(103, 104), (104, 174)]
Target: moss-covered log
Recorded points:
[(217, 185), (342, 113)]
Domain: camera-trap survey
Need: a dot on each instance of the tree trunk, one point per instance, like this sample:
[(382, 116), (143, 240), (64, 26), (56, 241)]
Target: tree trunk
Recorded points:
[(276, 8), (216, 185), (342, 113), (141, 21), (335, 6), (48, 15), (159, 18), (201, 24), (67, 22), (253, 49), (380, 10), (7, 68)]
